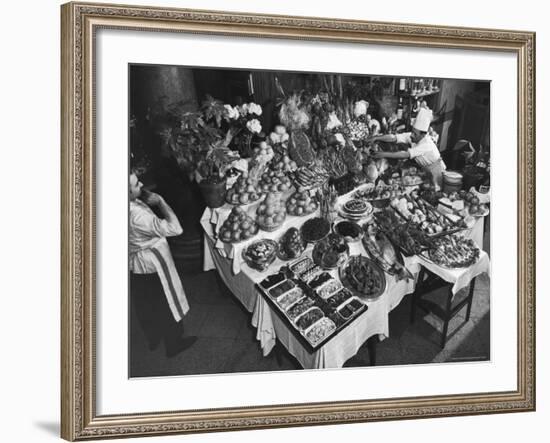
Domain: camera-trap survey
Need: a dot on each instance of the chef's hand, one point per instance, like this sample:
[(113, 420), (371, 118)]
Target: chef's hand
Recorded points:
[(151, 198), (378, 155)]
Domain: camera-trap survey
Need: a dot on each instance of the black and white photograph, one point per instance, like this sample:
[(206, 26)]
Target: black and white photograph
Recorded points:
[(282, 221)]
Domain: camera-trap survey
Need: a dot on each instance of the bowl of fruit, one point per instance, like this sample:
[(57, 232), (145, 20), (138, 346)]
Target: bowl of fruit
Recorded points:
[(271, 212), (237, 227), (274, 181), (291, 245), (244, 191), (301, 203), (283, 163)]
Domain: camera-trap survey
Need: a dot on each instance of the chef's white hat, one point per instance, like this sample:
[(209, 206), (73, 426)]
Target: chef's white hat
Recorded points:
[(423, 119)]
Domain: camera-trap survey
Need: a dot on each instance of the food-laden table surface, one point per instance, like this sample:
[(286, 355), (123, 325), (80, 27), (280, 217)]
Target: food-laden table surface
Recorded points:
[(242, 280)]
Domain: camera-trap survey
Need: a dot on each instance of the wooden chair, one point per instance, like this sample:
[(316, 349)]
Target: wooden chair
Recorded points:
[(428, 282)]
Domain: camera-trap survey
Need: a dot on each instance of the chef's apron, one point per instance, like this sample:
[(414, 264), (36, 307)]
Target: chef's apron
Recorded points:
[(435, 170)]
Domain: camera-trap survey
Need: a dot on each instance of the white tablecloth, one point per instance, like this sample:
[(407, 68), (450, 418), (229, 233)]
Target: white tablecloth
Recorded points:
[(459, 277), (241, 280), (270, 327)]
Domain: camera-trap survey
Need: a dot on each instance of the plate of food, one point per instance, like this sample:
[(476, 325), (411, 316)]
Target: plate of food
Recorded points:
[(309, 317), (331, 252), (453, 251), (348, 229), (260, 254), (355, 209), (315, 229), (363, 277), (291, 245), (380, 248), (320, 330)]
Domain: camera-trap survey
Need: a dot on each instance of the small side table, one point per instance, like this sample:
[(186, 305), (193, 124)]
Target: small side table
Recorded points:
[(428, 282)]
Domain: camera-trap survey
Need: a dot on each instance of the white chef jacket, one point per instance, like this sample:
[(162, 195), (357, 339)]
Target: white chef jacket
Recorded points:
[(149, 253), (425, 152)]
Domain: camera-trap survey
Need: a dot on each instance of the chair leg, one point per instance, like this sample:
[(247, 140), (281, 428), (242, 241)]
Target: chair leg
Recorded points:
[(371, 346), (416, 294), (470, 298), (447, 318)]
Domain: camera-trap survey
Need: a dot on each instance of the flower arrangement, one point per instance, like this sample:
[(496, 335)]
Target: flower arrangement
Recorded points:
[(244, 124)]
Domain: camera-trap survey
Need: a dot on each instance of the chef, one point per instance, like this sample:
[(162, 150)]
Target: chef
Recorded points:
[(157, 291), (422, 148)]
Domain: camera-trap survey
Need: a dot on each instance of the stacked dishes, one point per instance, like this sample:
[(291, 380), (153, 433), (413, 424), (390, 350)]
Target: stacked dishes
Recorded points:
[(355, 209)]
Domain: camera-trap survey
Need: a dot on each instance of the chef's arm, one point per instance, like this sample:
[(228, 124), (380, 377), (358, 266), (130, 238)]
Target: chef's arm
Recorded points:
[(398, 154), (391, 138), (168, 225), (168, 214)]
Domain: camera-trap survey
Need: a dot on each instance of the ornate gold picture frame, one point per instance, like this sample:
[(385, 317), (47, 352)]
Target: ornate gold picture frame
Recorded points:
[(80, 21)]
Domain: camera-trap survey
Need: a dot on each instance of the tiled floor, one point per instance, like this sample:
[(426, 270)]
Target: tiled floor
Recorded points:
[(227, 342)]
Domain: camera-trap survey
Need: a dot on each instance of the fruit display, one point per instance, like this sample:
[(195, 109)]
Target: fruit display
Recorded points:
[(244, 191), (309, 317), (271, 213), (301, 203), (237, 227), (453, 251), (291, 244), (350, 230), (355, 209), (283, 163), (260, 254), (363, 277), (322, 329), (315, 229), (274, 181), (310, 177), (330, 252), (381, 250), (263, 152)]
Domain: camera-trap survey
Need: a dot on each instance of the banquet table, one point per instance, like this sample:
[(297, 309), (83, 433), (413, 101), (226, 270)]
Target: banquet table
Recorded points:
[(242, 280)]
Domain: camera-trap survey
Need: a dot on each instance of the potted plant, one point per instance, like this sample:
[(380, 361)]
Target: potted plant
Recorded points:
[(198, 144)]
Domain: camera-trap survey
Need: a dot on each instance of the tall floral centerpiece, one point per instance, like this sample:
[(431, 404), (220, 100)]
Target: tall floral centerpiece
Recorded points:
[(244, 123)]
